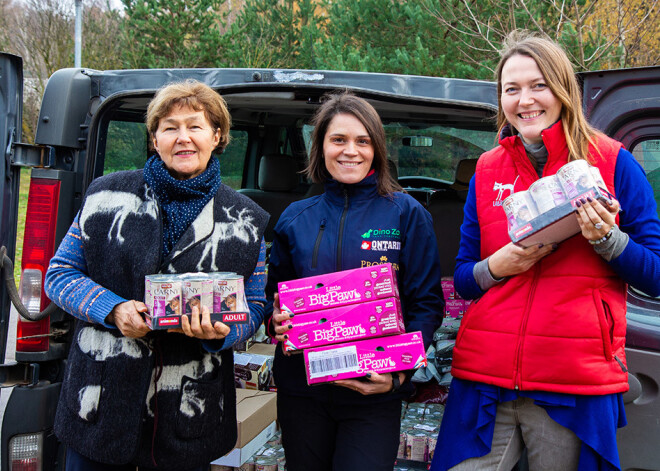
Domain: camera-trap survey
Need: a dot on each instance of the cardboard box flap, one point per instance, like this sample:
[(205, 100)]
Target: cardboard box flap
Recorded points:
[(254, 411)]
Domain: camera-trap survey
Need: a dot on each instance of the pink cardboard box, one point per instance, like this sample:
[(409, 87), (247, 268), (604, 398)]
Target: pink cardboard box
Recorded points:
[(454, 308), (448, 290), (338, 289), (345, 323), (355, 359)]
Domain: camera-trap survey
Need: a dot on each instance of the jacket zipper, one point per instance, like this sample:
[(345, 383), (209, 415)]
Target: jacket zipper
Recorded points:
[(523, 328), (318, 243), (341, 229), (610, 321)]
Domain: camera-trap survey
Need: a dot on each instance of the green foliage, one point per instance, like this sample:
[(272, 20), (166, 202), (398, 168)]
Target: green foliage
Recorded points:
[(390, 36), (274, 33), (126, 146), (173, 33)]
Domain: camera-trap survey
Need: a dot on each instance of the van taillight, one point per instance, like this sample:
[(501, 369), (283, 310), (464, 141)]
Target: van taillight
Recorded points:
[(25, 452), (38, 249)]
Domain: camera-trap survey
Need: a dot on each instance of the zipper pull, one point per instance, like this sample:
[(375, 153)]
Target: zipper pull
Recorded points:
[(623, 367)]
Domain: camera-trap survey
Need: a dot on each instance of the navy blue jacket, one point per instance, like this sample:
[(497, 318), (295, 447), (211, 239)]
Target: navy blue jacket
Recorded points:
[(352, 226)]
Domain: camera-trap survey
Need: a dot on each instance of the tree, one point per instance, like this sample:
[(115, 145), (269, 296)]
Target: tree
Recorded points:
[(173, 33), (595, 34), (276, 34), (393, 36), (100, 32), (42, 33)]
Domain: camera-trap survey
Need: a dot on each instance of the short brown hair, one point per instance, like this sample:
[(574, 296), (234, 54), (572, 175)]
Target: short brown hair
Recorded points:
[(347, 103), (558, 73), (195, 95)]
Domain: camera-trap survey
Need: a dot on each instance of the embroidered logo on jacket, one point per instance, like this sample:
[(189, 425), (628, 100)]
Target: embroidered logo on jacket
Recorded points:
[(393, 233), (501, 188), (119, 203), (381, 245)]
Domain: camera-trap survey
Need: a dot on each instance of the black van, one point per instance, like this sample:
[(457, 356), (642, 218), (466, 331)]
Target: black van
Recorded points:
[(91, 123)]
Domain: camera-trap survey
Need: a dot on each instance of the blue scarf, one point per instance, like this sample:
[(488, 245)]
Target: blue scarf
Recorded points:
[(180, 200)]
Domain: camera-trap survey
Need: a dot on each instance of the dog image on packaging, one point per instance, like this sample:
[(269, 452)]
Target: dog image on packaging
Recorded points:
[(355, 359), (338, 289)]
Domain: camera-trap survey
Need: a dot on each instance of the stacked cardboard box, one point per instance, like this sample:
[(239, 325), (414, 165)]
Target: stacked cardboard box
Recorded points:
[(256, 415), (455, 306), (252, 368)]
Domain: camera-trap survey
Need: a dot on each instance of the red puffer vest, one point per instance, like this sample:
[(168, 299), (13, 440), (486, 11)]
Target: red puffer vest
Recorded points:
[(561, 325)]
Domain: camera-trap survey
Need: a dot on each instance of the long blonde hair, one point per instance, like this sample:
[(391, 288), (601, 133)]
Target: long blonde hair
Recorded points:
[(560, 78)]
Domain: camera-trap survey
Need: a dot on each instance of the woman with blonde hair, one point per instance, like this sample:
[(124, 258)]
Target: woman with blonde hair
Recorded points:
[(539, 360)]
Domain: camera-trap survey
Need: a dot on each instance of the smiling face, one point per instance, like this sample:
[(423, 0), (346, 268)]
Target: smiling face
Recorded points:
[(185, 140), (527, 102), (347, 149)]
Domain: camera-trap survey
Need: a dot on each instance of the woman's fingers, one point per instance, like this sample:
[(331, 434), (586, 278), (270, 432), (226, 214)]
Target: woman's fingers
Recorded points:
[(595, 220), (128, 319), (200, 325), (372, 383), (511, 260)]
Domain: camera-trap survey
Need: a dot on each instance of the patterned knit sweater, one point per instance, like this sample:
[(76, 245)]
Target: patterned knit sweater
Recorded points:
[(163, 401)]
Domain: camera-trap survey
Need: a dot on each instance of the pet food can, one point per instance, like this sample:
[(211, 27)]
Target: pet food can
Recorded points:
[(598, 178), (547, 193), (164, 297), (519, 209), (197, 291), (575, 178)]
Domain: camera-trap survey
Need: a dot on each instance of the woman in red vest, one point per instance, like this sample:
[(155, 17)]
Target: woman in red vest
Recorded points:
[(539, 360)]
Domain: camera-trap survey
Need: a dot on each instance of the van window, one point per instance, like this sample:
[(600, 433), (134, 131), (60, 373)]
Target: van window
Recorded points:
[(127, 149), (430, 151), (434, 151), (647, 154), (232, 160), (126, 146)]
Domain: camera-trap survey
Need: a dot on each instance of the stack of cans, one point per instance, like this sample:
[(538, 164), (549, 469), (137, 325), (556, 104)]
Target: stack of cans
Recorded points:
[(169, 296), (571, 180), (419, 432)]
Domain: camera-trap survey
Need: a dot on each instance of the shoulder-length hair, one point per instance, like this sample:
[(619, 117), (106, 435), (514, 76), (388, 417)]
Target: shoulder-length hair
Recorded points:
[(195, 95), (347, 103), (560, 78)]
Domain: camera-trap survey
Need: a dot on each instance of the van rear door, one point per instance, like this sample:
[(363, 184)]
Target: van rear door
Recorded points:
[(625, 104), (11, 108)]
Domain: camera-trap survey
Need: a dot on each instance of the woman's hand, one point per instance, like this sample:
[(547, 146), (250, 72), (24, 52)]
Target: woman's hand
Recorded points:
[(278, 318), (511, 260), (127, 316), (200, 326), (374, 384), (594, 218)]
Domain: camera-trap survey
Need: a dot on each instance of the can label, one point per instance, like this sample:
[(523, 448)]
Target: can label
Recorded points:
[(197, 293), (520, 209), (547, 193), (576, 178)]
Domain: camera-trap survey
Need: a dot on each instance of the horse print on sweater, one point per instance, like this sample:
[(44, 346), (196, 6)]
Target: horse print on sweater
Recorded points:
[(170, 380), (122, 205), (99, 345), (237, 224)]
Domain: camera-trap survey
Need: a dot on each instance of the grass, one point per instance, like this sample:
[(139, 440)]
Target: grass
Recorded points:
[(20, 228)]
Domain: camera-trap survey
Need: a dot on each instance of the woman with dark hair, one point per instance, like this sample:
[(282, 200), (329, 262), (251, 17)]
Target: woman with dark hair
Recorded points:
[(539, 360), (350, 424), (132, 397)]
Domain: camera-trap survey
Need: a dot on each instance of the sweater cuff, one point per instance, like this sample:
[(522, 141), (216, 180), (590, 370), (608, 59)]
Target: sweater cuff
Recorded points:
[(483, 276), (102, 306), (614, 246)]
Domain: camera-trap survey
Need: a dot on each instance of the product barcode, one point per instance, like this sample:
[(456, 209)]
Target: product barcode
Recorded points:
[(332, 362)]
